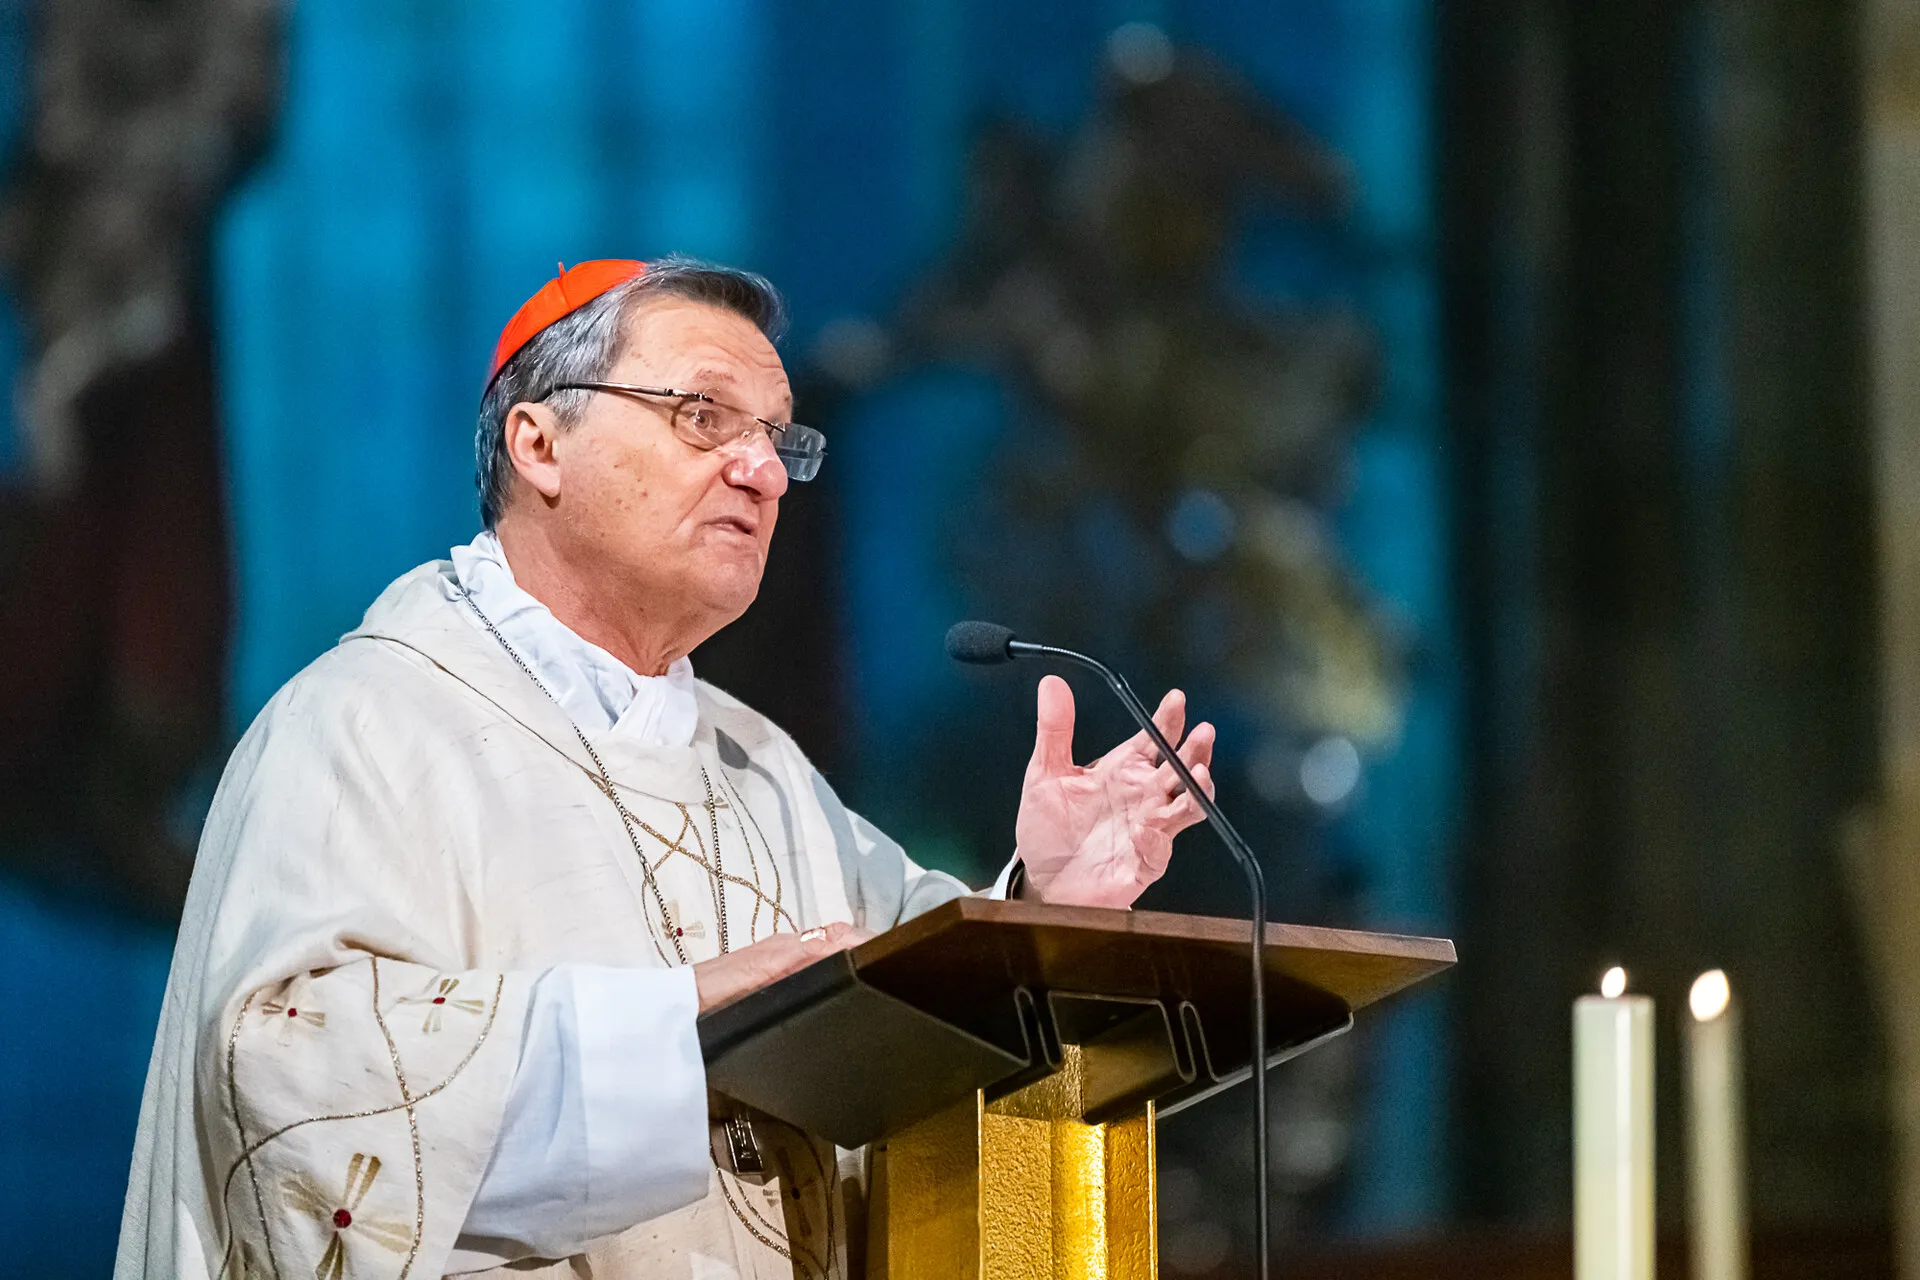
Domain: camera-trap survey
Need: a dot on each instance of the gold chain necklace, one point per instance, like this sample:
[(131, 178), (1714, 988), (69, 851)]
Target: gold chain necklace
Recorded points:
[(775, 904), (718, 878), (628, 820)]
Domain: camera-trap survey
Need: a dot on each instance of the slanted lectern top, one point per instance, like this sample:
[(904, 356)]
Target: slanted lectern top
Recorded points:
[(983, 1025)]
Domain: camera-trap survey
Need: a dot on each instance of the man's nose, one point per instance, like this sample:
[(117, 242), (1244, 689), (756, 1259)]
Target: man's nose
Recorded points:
[(755, 467)]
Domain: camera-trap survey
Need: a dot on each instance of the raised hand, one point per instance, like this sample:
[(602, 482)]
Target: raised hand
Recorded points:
[(1096, 836)]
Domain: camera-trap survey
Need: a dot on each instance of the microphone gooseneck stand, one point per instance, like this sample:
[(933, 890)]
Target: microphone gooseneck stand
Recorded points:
[(986, 643)]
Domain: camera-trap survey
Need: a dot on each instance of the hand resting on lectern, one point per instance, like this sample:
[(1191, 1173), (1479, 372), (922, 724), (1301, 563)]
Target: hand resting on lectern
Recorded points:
[(728, 977)]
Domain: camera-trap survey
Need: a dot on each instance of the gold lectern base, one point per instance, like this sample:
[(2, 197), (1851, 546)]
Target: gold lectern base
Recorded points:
[(1018, 1189)]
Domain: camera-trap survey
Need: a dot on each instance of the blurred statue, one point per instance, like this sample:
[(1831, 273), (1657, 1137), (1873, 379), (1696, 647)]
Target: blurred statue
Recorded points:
[(1163, 492), (1174, 427), (113, 546)]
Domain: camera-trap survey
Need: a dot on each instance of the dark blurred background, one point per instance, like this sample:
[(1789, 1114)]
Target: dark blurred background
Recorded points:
[(1502, 418)]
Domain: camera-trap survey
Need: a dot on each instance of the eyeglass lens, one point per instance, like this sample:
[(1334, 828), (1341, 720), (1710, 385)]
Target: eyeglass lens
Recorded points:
[(713, 426)]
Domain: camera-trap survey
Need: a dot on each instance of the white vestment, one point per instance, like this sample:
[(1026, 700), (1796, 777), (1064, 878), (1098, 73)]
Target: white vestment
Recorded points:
[(420, 946)]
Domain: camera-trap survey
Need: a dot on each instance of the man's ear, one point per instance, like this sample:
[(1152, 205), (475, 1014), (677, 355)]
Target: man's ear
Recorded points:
[(530, 436)]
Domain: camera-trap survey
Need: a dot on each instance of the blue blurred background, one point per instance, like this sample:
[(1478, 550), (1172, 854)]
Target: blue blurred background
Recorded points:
[(1487, 503)]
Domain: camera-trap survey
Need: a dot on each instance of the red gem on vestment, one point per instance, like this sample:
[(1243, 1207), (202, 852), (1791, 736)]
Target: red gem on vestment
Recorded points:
[(293, 1013), (342, 1219), (679, 933), (439, 999)]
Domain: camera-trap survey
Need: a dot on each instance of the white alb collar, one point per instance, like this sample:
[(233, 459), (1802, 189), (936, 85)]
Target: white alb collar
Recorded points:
[(594, 688)]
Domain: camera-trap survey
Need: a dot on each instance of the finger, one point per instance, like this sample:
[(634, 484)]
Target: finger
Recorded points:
[(1171, 715), (1203, 774), (1177, 816), (843, 937), (729, 976), (1182, 810), (1170, 718), (829, 938), (1182, 801), (1196, 751), (791, 952), (1053, 730)]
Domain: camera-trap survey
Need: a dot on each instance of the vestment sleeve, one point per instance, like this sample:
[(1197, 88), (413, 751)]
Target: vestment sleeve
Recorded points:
[(884, 885), (352, 1059), (606, 1123)]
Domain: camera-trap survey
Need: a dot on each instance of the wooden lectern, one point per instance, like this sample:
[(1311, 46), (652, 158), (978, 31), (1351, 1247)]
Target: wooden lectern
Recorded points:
[(1008, 1059)]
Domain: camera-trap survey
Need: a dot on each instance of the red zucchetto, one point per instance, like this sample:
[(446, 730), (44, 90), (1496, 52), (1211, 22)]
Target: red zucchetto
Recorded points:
[(566, 293)]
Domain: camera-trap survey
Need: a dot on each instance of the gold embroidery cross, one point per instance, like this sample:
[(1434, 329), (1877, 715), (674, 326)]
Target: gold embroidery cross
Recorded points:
[(288, 1015), (439, 997), (675, 925), (339, 1214)]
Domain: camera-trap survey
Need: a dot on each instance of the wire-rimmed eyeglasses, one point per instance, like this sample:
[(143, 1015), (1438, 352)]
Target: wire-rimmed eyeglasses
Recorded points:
[(706, 423)]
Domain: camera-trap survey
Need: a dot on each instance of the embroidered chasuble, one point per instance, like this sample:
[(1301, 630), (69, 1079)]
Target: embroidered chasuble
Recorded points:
[(410, 852)]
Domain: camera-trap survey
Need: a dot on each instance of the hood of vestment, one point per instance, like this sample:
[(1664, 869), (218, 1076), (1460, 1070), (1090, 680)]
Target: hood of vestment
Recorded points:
[(425, 614)]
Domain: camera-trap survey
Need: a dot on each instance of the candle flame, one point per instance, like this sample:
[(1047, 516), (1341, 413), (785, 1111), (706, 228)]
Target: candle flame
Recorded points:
[(1709, 996), (1613, 983)]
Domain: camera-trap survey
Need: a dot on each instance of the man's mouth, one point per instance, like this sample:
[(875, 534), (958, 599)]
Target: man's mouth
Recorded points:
[(740, 524)]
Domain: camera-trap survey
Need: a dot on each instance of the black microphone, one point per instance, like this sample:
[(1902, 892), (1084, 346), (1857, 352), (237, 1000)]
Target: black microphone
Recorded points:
[(988, 644), (981, 643)]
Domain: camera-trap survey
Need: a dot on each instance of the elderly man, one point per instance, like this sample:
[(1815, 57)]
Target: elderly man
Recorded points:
[(471, 877)]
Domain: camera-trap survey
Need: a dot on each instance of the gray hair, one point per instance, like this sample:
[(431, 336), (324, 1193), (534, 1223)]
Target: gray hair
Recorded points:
[(584, 345)]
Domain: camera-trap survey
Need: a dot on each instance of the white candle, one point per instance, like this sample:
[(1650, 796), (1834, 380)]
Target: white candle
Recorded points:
[(1716, 1141), (1613, 1134)]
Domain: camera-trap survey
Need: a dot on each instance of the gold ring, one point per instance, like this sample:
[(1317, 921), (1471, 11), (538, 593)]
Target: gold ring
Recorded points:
[(815, 934)]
